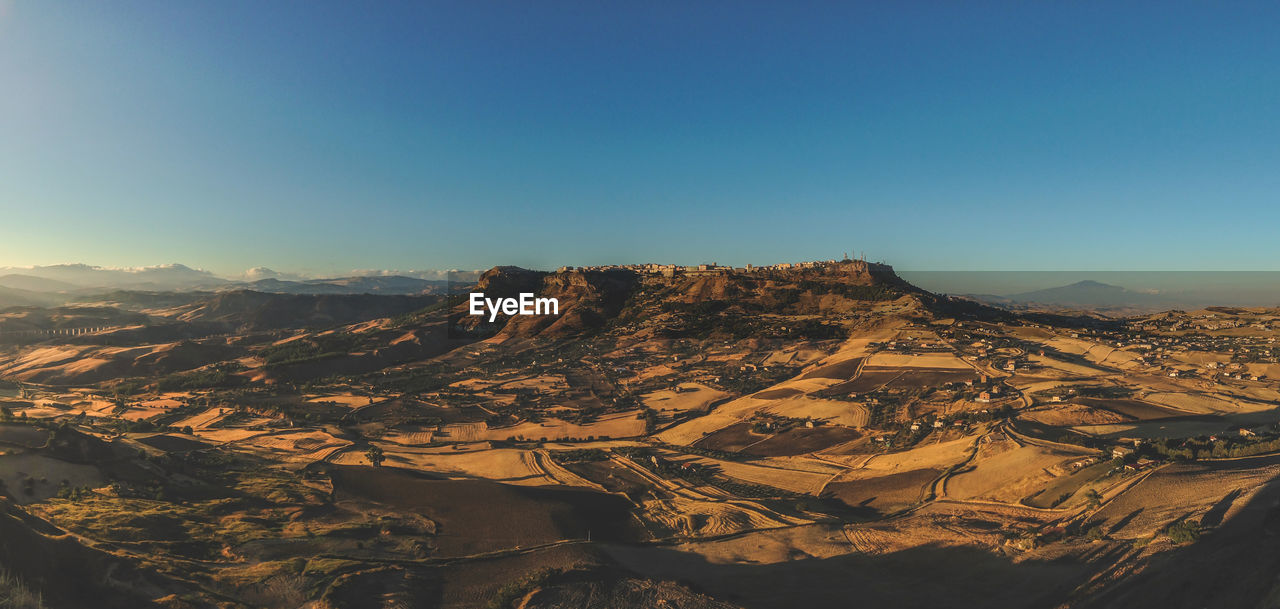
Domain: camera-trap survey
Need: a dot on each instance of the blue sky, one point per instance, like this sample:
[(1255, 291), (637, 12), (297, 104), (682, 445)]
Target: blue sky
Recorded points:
[(320, 137)]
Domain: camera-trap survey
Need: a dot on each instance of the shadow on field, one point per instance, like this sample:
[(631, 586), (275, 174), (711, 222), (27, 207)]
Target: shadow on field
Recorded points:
[(923, 577), (1123, 522), (67, 573), (478, 516), (1232, 565), (1214, 516)]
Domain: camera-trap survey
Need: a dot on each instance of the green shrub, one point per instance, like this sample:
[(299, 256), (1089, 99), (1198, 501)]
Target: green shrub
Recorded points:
[(1185, 531), (309, 350), (216, 376)]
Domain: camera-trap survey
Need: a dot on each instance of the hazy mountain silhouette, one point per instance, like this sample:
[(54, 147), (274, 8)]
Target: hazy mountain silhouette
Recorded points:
[(1090, 293), (1087, 294)]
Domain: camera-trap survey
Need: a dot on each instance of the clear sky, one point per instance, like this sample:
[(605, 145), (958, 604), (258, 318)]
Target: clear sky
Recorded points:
[(317, 136)]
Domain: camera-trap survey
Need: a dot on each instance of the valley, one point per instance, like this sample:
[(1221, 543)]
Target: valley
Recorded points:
[(807, 435)]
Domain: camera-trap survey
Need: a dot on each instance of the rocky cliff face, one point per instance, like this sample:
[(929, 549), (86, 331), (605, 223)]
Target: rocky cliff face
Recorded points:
[(590, 299), (587, 300), (509, 281)]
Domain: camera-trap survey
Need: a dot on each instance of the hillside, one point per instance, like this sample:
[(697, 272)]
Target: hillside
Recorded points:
[(795, 435), (255, 310), (34, 284), (16, 297)]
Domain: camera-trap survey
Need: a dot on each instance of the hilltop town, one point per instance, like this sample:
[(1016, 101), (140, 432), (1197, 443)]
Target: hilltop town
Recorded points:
[(674, 270)]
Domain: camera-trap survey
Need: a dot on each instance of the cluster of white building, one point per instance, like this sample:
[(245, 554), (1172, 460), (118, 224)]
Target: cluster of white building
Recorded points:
[(671, 270)]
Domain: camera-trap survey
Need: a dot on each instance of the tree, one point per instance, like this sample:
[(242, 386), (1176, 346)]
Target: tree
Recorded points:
[(6, 414), (375, 456), (1094, 498)]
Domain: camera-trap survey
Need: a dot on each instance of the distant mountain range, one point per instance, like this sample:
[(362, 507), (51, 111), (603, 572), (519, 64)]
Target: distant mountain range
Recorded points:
[(67, 277), (1110, 291), (56, 284), (349, 285), (1086, 294)]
